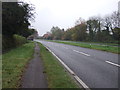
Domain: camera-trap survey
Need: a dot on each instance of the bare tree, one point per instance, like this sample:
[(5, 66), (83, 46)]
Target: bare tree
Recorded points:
[(79, 21), (115, 19), (107, 23)]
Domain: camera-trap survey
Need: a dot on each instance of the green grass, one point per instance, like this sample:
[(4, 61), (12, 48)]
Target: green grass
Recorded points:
[(56, 75), (97, 47), (102, 43), (13, 65)]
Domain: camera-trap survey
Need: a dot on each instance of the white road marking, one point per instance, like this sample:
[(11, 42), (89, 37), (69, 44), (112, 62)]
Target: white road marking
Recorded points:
[(81, 53), (75, 76), (80, 81), (113, 63)]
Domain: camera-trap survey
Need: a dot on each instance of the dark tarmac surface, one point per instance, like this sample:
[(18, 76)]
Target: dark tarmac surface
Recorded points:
[(90, 65), (34, 76)]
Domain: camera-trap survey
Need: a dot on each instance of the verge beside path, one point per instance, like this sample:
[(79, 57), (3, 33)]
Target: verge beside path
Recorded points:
[(34, 76)]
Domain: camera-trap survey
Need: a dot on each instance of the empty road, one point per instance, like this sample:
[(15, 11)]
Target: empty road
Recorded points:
[(97, 69)]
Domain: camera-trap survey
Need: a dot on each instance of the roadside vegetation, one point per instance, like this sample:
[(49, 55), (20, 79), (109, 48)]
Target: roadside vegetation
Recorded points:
[(56, 75), (96, 29), (13, 64), (97, 43), (8, 43), (16, 18), (108, 48)]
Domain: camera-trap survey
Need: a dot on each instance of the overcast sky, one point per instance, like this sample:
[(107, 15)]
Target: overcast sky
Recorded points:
[(64, 13)]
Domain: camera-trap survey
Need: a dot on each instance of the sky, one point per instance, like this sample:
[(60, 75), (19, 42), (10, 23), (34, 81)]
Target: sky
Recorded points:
[(64, 13)]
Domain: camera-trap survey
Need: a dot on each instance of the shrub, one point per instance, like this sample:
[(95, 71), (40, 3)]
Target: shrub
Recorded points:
[(9, 42), (19, 40)]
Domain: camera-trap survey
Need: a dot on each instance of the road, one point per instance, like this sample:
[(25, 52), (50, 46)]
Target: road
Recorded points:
[(97, 69)]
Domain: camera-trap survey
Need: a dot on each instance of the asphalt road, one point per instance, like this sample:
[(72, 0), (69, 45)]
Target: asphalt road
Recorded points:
[(98, 69)]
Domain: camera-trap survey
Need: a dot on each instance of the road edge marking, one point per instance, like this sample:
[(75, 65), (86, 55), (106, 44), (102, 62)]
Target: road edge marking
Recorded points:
[(74, 75), (113, 63), (81, 53)]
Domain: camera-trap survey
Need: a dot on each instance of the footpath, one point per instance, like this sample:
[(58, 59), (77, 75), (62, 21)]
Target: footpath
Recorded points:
[(34, 76)]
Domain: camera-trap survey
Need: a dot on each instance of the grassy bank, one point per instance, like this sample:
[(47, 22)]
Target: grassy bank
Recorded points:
[(14, 63), (56, 75), (92, 46)]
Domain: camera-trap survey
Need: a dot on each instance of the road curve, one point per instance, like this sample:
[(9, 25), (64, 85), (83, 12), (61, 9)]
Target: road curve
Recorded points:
[(98, 69)]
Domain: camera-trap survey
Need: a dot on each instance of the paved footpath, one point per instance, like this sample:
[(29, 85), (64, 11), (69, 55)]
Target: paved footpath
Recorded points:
[(34, 76)]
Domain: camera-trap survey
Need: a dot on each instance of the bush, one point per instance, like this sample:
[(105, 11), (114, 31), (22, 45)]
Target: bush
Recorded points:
[(7, 43), (19, 40), (12, 42)]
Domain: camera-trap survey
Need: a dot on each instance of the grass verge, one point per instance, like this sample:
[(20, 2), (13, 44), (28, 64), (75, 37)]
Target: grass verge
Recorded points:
[(13, 64), (97, 47), (56, 75)]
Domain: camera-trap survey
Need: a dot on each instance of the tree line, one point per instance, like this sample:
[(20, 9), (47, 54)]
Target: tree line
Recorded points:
[(16, 18), (96, 28)]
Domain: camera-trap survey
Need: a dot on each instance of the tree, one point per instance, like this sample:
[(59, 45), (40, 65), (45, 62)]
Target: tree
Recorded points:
[(56, 33), (115, 19), (94, 26), (116, 33), (15, 17), (90, 30), (68, 34), (79, 21), (15, 20), (107, 24), (80, 32)]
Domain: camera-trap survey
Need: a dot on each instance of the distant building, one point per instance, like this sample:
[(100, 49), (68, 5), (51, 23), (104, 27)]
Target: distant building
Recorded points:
[(47, 35)]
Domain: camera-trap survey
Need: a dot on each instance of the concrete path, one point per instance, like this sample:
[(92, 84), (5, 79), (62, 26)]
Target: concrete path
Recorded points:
[(34, 76)]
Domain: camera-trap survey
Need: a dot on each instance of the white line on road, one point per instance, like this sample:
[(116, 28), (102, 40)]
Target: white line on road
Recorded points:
[(113, 63), (75, 76), (81, 53), (81, 82)]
